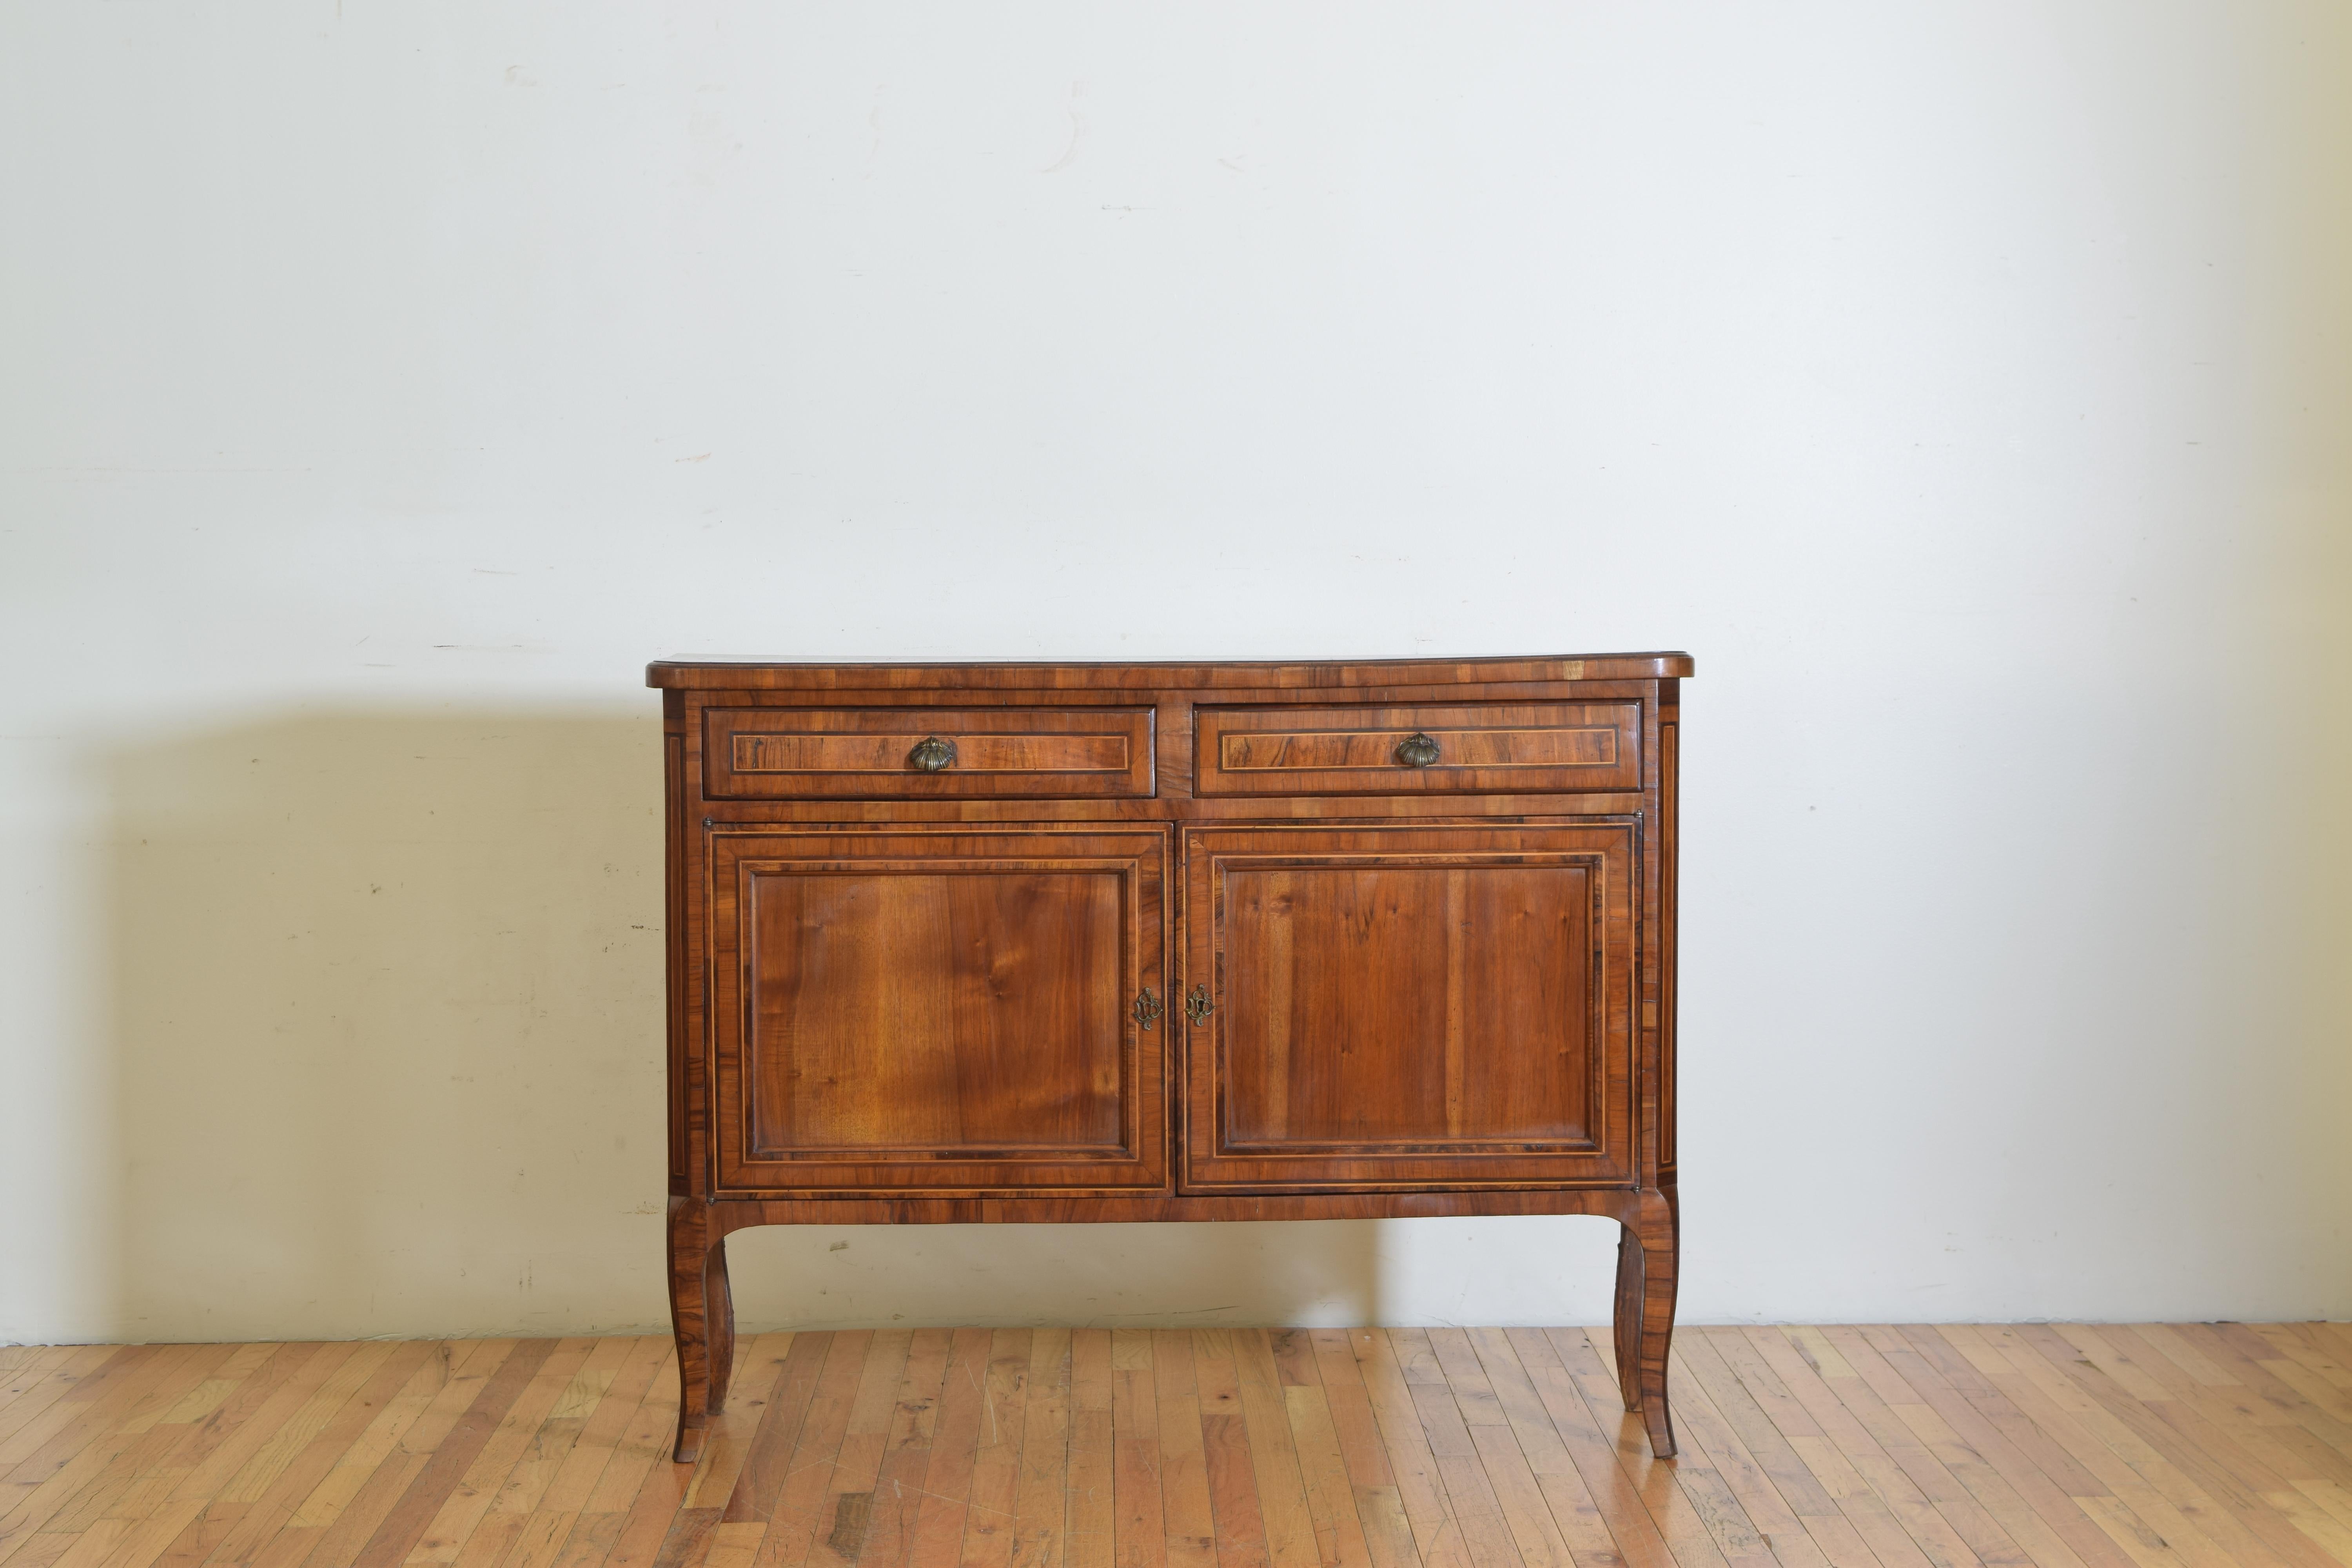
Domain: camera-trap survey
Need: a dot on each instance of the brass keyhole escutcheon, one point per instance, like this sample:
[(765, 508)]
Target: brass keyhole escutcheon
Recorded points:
[(1417, 751), (932, 754), (1147, 1009), (1197, 1005)]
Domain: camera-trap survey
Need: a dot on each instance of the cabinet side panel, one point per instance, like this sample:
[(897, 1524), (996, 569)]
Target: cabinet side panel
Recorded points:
[(1669, 855), (674, 933)]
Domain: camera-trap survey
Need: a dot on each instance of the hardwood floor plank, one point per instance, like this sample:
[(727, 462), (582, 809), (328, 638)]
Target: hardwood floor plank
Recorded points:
[(1544, 1500), (1592, 1374), (759, 1484), (2062, 1410), (1785, 1535), (1274, 1455), (1979, 1442), (1469, 1493), (2053, 1446), (906, 1451), (346, 1407), (1041, 1507), (42, 1385), (72, 1398), (81, 1452), (1840, 1455), (803, 1508), (1231, 1469), (936, 1540), (1421, 1491), (467, 1506), (523, 1494), (1089, 1513), (54, 1457), (2081, 1386), (2206, 1487), (1140, 1525), (759, 1365), (660, 1494), (141, 1474), (844, 1514), (1189, 1526), (404, 1525), (2274, 1402), (1879, 1399), (582, 1472), (1323, 1470), (1592, 1449), (1380, 1502), (989, 1520), (348, 1477), (1738, 1410), (2177, 1350)]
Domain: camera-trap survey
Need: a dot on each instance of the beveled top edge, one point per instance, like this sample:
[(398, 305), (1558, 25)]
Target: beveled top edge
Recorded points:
[(751, 675)]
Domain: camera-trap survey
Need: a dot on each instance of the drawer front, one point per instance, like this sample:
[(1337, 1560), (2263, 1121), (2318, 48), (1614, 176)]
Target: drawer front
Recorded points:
[(1469, 749), (868, 753)]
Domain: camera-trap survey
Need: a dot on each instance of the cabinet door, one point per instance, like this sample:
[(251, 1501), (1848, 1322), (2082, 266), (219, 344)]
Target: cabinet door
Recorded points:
[(934, 1011), (1440, 1007)]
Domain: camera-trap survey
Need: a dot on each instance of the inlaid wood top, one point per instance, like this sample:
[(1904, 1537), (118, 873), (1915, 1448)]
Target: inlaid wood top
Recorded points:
[(754, 675)]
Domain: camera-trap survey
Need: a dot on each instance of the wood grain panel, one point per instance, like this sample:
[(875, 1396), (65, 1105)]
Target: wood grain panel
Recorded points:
[(1357, 749), (909, 1011), (1408, 1004), (754, 754), (1429, 1006), (895, 1009)]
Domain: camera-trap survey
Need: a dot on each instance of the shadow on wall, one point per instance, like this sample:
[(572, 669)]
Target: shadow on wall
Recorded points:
[(386, 991)]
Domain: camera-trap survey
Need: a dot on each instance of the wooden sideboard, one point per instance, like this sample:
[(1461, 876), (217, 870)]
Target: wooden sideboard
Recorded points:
[(956, 943)]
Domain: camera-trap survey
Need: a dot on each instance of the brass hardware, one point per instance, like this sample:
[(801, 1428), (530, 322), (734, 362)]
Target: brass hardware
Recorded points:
[(1417, 751), (932, 754), (1197, 1006), (1147, 1008)]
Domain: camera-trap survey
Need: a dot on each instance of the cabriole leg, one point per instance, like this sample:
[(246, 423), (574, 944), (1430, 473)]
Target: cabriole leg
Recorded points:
[(702, 1315), (1647, 1259)]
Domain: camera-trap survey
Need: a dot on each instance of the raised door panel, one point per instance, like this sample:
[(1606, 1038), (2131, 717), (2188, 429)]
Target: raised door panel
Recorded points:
[(1438, 1007), (938, 1012)]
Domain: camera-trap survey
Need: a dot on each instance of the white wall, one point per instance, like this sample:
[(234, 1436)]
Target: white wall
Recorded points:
[(1965, 383)]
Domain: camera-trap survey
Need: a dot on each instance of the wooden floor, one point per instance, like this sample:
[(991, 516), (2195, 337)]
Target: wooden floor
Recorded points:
[(2192, 1443)]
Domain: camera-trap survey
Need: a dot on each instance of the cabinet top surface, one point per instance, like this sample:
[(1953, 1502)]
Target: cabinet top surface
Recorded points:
[(754, 675)]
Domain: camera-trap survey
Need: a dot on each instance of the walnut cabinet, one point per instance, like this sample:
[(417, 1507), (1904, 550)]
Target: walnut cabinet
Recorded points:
[(961, 944)]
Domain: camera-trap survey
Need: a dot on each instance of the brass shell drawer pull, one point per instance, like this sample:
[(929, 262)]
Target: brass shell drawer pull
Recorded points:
[(932, 754), (1417, 751), (1147, 1008)]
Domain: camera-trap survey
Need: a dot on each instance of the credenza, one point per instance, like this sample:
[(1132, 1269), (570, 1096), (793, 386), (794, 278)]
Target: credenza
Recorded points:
[(955, 943)]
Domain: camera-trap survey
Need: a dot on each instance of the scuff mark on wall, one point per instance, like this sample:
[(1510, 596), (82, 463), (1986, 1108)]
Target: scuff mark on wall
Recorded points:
[(1077, 133)]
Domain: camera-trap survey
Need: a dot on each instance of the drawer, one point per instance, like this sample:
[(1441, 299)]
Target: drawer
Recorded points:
[(866, 754), (1473, 749)]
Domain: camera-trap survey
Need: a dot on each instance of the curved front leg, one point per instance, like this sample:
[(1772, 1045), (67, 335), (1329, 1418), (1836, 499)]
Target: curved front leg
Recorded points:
[(702, 1315), (1648, 1256)]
